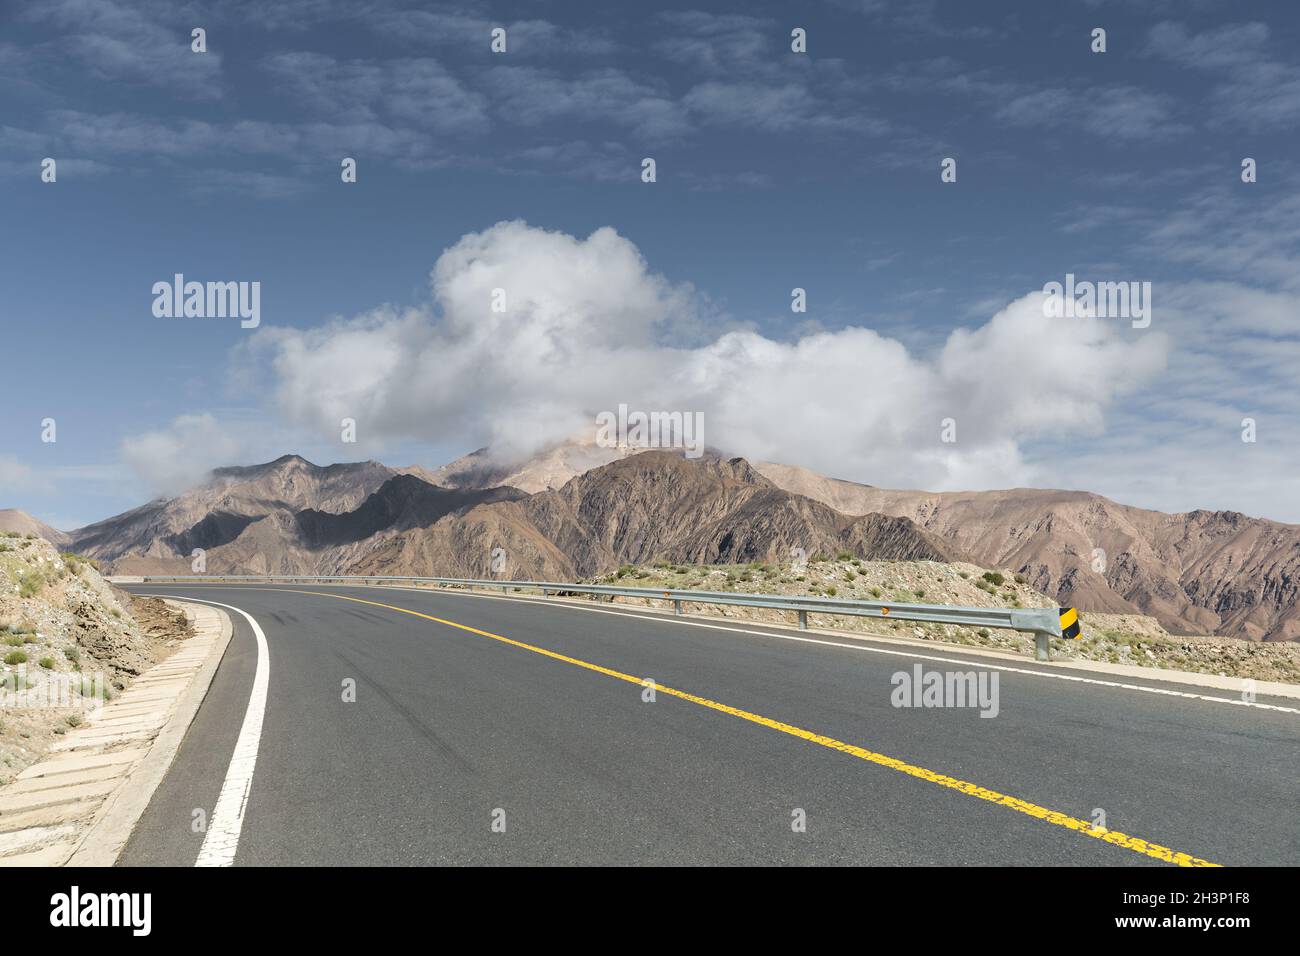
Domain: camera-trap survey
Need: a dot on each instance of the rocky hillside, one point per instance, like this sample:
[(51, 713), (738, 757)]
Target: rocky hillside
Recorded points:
[(401, 503), (21, 523), (1114, 638), (67, 640), (288, 515), (582, 509), (1199, 572), (647, 506), (651, 506), (220, 510)]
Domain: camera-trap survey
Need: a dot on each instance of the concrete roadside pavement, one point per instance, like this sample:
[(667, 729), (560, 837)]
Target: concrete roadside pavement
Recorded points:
[(79, 804)]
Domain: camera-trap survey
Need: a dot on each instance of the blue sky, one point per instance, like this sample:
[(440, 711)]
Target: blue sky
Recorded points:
[(775, 170)]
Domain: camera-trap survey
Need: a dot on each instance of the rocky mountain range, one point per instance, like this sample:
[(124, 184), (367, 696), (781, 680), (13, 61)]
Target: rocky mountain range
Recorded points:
[(578, 511), (1199, 572), (647, 507)]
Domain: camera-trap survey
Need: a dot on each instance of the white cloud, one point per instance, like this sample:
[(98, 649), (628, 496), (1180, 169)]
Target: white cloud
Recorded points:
[(17, 477), (122, 43), (174, 459), (589, 326), (536, 97), (419, 93), (1252, 88), (1116, 112)]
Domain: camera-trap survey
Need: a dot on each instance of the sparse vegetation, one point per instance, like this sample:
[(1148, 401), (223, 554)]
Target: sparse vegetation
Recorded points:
[(76, 561), (16, 657), (30, 583), (1127, 639), (48, 663)]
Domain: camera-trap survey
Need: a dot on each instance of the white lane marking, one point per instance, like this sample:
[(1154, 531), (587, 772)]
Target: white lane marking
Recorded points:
[(222, 839), (650, 615)]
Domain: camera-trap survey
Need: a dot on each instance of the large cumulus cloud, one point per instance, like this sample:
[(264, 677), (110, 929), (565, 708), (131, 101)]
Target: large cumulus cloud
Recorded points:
[(590, 325)]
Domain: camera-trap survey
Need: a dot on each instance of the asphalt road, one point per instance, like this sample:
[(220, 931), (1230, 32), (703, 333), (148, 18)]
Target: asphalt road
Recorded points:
[(453, 731)]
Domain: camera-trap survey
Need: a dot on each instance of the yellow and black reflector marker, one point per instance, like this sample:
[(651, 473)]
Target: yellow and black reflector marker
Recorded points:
[(1070, 623)]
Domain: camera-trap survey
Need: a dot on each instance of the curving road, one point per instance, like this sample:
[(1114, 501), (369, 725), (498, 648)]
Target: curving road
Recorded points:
[(477, 713)]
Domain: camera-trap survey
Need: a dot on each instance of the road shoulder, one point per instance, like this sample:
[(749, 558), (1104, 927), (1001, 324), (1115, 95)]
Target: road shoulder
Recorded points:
[(79, 804)]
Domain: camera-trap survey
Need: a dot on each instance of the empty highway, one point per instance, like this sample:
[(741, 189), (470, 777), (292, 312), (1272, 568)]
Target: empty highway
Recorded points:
[(487, 730)]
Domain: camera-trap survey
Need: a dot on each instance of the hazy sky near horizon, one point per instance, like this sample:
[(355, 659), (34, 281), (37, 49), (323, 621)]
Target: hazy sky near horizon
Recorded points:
[(775, 170)]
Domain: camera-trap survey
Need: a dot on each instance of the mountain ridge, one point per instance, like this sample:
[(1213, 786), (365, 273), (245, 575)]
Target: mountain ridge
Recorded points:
[(17, 521), (1196, 572)]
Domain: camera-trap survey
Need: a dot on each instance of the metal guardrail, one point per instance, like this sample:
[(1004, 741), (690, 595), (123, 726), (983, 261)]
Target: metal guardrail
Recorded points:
[(1043, 622)]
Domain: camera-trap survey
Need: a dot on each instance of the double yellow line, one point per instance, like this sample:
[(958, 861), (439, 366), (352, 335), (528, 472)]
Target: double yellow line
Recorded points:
[(1085, 827)]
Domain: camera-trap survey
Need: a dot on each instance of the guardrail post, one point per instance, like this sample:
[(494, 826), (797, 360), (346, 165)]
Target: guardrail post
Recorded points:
[(545, 593), (1042, 646), (677, 608), (803, 620)]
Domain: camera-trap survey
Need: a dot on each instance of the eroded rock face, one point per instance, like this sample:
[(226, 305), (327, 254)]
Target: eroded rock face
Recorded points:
[(218, 512), (650, 506), (1200, 572), (64, 610), (65, 631), (580, 510)]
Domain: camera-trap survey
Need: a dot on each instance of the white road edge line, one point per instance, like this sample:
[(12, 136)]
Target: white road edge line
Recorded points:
[(222, 839)]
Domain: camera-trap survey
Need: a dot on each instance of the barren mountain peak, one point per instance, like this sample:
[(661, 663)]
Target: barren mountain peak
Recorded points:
[(20, 522)]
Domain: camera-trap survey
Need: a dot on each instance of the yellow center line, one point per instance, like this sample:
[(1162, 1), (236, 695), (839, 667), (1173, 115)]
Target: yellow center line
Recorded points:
[(1114, 837)]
